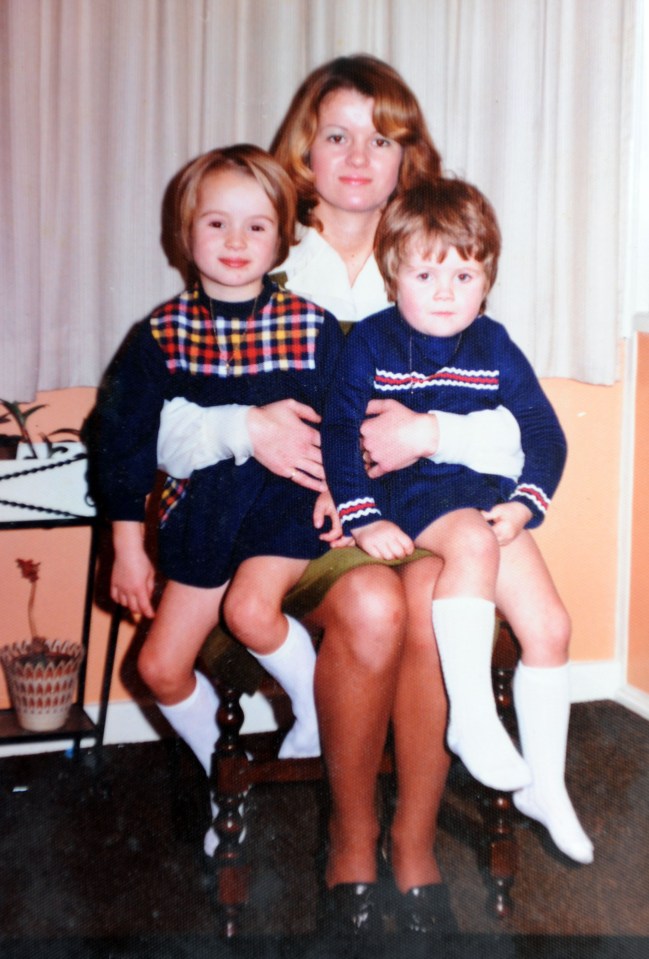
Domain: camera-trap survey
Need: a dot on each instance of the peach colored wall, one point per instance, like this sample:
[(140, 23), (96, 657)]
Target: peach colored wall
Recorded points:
[(579, 538), (638, 668)]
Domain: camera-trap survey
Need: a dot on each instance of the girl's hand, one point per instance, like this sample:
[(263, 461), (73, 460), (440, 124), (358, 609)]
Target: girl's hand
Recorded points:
[(325, 507), (285, 444), (507, 520), (394, 437), (384, 540), (133, 577)]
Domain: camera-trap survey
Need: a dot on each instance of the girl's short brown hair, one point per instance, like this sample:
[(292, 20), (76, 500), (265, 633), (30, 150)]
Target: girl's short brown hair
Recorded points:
[(448, 212), (397, 115), (252, 161)]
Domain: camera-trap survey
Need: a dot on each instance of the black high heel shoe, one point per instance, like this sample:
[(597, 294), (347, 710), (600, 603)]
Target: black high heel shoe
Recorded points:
[(426, 909), (352, 908)]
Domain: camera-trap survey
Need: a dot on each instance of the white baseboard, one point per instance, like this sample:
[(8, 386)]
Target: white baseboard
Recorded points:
[(128, 723), (634, 699), (594, 681)]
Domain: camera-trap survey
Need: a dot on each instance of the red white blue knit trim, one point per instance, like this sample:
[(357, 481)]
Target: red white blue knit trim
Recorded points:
[(386, 382), (355, 509), (535, 494)]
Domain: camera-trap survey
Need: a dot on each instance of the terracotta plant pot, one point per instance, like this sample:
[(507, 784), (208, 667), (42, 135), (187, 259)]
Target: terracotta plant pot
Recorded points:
[(42, 678)]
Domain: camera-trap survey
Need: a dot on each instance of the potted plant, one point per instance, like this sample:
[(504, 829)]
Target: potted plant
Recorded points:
[(41, 673), (44, 476), (10, 442)]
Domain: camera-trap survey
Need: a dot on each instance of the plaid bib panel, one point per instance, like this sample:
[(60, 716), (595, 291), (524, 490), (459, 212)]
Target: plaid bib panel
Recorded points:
[(282, 336)]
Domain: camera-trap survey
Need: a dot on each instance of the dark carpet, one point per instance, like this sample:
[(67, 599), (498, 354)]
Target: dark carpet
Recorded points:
[(106, 860)]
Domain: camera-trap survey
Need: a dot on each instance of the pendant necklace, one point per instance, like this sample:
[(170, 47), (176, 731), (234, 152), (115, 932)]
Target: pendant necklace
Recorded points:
[(229, 352)]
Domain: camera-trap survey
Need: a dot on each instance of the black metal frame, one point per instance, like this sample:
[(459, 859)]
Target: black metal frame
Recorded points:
[(78, 725)]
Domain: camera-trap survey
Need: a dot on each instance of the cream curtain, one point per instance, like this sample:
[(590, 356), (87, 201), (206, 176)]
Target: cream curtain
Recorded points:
[(101, 101)]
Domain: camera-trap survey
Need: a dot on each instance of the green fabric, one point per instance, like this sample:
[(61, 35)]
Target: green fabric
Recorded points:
[(227, 660)]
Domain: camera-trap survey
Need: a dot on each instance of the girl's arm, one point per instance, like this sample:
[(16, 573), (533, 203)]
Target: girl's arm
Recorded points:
[(133, 576)]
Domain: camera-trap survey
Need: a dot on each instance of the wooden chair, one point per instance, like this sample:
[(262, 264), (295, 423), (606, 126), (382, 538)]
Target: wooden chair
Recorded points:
[(242, 761)]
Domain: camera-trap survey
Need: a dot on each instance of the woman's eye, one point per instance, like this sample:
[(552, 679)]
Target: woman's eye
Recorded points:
[(335, 138), (382, 141)]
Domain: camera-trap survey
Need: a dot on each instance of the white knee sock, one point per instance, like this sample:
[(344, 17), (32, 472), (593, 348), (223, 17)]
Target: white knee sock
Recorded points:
[(293, 666), (464, 629), (194, 719), (542, 701)]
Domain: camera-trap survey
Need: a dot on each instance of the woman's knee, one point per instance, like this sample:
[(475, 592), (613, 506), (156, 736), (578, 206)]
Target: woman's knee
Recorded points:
[(366, 611)]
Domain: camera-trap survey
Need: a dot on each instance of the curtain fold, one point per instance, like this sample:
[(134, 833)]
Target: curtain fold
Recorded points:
[(102, 101)]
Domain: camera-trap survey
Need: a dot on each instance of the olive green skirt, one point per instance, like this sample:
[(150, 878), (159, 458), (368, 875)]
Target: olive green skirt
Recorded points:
[(226, 659)]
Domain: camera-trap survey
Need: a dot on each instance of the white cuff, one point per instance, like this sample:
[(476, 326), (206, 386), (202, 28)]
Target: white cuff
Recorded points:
[(192, 437), (487, 441)]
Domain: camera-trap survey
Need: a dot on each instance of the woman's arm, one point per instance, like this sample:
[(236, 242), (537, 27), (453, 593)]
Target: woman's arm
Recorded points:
[(395, 437), (278, 435)]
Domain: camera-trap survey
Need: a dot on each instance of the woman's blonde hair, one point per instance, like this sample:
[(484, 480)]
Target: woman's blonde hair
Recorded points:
[(252, 161), (397, 115), (446, 213)]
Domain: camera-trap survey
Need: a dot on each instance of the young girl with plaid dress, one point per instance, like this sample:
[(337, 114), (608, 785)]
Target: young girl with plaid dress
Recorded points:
[(232, 337)]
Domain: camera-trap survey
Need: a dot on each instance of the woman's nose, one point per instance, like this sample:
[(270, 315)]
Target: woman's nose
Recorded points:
[(357, 154)]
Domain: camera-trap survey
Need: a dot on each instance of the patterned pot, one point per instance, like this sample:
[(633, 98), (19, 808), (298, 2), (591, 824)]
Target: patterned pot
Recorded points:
[(42, 681)]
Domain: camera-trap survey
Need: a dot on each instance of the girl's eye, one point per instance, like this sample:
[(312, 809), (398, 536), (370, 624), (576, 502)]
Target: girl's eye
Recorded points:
[(258, 228), (217, 224)]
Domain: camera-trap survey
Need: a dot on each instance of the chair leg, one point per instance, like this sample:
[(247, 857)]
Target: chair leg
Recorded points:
[(229, 786), (498, 810)]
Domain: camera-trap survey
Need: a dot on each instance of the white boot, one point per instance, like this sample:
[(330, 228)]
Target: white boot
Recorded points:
[(293, 666), (542, 701), (464, 630), (194, 719)]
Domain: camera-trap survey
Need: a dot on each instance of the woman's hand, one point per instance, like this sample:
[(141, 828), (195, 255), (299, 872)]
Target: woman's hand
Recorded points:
[(133, 576), (325, 507), (384, 540), (394, 437), (507, 520), (285, 444)]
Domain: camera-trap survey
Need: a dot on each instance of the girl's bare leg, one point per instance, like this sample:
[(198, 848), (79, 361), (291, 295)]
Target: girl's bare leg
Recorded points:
[(186, 698), (528, 598), (363, 616), (419, 723), (252, 610)]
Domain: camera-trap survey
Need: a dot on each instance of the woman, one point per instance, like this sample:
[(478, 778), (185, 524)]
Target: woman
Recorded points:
[(353, 135)]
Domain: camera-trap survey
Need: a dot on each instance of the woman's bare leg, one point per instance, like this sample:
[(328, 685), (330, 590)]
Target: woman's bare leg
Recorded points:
[(419, 724), (363, 616)]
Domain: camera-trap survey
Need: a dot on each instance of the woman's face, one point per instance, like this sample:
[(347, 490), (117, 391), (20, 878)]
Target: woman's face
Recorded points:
[(356, 169)]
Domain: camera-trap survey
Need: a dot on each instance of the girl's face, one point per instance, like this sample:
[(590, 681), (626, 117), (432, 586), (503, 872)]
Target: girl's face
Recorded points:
[(356, 169), (234, 235), (439, 299)]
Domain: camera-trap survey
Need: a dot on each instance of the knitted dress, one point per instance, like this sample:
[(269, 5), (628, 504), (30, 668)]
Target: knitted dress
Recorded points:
[(211, 353)]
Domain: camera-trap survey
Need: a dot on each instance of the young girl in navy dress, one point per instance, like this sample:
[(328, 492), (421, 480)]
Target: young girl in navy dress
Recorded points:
[(231, 337), (437, 247)]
